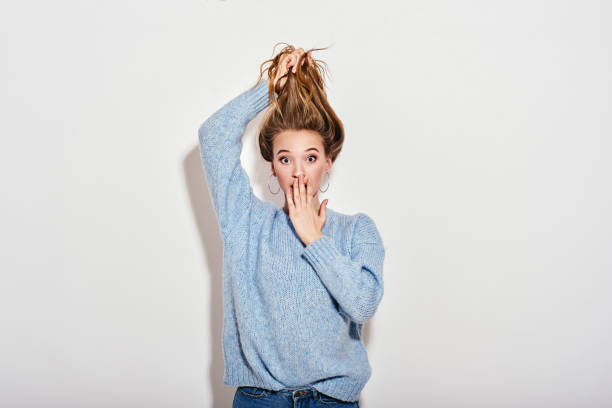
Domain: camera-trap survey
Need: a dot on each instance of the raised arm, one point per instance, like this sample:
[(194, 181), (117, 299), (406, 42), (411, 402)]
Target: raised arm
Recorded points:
[(220, 147), (355, 280)]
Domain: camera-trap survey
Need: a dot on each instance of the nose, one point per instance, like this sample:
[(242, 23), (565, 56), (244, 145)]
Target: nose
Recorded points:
[(297, 172)]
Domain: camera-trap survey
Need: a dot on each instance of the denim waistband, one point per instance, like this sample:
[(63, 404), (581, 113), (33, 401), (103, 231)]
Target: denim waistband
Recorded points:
[(297, 391)]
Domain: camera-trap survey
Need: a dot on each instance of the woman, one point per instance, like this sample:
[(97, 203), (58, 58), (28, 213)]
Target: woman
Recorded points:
[(299, 281)]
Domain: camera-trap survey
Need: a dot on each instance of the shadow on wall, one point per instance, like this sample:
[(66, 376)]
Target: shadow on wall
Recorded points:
[(212, 246)]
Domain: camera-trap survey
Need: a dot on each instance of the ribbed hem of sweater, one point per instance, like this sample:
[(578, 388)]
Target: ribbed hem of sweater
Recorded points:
[(342, 388), (258, 97), (237, 376)]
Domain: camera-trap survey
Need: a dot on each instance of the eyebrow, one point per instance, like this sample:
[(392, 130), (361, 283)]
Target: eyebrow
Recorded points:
[(284, 150)]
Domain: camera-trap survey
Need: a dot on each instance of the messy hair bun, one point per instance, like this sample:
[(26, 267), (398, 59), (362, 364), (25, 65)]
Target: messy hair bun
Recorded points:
[(301, 105)]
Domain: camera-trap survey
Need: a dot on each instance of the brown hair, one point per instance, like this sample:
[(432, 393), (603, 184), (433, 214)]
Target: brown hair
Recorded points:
[(302, 104)]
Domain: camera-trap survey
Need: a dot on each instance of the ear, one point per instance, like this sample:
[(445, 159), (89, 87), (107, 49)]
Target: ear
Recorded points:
[(272, 168), (328, 160)]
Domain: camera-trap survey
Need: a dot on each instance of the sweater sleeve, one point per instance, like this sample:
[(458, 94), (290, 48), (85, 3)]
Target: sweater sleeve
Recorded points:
[(355, 280), (220, 147)]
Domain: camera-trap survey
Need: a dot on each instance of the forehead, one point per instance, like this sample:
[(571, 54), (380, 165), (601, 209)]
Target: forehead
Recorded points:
[(297, 140)]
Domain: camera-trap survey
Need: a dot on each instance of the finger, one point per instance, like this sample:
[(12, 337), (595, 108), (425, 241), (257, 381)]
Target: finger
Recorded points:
[(289, 198), (323, 209), (286, 62), (302, 190), (308, 188), (296, 55), (296, 193), (283, 70)]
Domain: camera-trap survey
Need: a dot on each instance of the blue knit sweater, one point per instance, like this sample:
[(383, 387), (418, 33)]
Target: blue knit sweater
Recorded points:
[(293, 314)]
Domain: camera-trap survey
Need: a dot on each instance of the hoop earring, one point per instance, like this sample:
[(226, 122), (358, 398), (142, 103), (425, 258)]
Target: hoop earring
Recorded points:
[(269, 185), (327, 184)]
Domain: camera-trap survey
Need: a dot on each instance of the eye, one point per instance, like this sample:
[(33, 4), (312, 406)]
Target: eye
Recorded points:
[(281, 160), (315, 158)]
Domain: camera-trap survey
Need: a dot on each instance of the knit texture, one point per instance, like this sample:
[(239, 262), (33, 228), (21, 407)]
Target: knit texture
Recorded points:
[(293, 314)]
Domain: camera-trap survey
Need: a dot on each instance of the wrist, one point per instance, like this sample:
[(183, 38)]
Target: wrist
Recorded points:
[(313, 239)]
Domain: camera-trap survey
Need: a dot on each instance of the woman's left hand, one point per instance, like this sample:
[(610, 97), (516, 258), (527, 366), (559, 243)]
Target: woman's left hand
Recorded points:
[(308, 222)]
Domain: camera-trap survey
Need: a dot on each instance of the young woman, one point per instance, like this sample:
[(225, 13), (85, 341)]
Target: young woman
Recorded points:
[(299, 281)]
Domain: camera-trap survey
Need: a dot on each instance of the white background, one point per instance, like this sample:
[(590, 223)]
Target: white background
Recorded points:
[(478, 137)]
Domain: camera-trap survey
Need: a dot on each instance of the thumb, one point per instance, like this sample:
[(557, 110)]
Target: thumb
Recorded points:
[(323, 209)]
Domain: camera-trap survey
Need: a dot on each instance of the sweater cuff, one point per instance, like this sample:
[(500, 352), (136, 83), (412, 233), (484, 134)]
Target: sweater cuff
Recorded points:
[(321, 252), (258, 98)]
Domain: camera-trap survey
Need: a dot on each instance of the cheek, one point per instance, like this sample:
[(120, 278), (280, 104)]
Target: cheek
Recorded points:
[(317, 176), (284, 179)]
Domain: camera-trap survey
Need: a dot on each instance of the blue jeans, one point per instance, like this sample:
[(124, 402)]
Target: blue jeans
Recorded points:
[(299, 397)]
